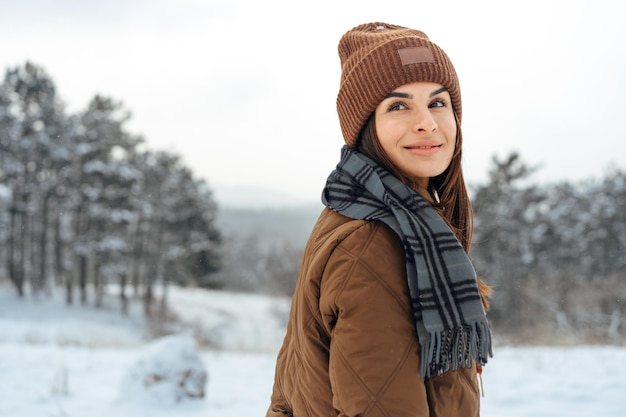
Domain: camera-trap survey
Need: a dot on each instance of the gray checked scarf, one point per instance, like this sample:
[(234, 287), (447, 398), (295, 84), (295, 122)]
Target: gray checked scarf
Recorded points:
[(450, 320)]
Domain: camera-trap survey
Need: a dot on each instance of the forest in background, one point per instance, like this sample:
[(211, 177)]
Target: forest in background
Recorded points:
[(84, 205)]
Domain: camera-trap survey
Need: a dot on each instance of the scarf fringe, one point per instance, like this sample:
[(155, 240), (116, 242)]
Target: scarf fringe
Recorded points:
[(462, 347)]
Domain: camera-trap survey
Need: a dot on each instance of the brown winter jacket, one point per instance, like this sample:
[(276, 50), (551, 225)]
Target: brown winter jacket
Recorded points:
[(351, 348)]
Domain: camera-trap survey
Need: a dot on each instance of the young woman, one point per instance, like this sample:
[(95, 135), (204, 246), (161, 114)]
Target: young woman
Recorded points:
[(388, 317)]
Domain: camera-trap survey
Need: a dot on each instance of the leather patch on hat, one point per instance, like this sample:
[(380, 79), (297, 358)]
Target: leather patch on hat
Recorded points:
[(416, 55)]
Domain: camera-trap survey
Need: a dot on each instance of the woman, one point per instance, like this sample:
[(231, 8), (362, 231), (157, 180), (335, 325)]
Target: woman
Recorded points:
[(388, 317)]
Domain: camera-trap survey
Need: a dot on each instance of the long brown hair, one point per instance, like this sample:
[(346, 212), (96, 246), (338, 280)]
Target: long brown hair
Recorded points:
[(454, 203)]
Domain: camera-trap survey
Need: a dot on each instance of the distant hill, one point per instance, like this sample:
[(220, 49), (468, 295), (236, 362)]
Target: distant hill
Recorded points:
[(290, 224), (264, 212), (254, 197)]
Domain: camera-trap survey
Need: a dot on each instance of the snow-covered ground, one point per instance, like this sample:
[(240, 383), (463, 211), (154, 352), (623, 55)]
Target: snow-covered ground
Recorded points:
[(58, 361)]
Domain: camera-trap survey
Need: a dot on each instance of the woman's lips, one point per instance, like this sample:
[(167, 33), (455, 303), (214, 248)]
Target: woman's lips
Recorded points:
[(423, 150)]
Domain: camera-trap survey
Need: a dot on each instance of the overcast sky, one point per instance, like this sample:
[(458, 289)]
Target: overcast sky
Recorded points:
[(244, 90)]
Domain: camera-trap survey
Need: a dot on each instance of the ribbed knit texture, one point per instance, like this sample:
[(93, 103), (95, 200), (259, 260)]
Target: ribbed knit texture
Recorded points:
[(371, 67)]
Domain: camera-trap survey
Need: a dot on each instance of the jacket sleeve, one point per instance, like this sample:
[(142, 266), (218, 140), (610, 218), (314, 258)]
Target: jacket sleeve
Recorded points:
[(374, 353)]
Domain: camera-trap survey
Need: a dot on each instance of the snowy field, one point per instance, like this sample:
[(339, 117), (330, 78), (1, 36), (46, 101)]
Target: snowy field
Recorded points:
[(58, 361)]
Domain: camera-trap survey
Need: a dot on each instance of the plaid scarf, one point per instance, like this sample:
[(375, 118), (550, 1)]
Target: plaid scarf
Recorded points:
[(450, 320)]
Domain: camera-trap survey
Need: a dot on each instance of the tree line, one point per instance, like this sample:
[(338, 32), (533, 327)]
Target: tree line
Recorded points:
[(84, 205), (554, 253)]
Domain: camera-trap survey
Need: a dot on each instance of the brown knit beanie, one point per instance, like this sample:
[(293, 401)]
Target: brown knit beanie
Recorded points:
[(376, 58)]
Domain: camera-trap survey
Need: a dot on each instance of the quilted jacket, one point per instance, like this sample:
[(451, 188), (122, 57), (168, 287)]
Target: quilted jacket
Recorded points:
[(350, 348)]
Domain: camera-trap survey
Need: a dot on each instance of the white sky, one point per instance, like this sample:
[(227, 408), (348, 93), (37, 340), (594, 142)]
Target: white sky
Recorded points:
[(245, 90)]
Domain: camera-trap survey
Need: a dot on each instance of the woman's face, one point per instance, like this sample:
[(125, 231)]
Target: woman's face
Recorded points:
[(416, 128)]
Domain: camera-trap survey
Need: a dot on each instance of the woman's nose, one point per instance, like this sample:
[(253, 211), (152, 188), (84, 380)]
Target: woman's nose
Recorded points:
[(424, 121)]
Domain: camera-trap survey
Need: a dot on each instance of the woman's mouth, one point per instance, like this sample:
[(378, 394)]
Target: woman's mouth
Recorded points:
[(423, 150)]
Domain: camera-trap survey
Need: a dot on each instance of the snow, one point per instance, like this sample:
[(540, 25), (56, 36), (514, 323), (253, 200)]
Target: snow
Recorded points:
[(63, 361), (168, 370)]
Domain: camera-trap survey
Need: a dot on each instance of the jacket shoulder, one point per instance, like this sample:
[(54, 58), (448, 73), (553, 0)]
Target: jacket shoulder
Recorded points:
[(334, 229)]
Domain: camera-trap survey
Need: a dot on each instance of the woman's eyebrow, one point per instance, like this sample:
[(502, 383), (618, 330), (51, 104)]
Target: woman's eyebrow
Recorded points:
[(406, 95), (441, 90), (398, 94)]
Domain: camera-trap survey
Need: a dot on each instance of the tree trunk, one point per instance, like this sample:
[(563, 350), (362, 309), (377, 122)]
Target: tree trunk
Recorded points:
[(43, 240), (123, 297), (32, 247), (81, 258), (82, 278), (14, 238), (137, 259), (98, 283), (155, 268), (148, 297), (20, 273), (57, 261), (61, 277), (165, 286)]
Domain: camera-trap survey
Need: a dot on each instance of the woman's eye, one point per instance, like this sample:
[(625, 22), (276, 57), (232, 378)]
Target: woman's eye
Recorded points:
[(438, 103), (397, 106)]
